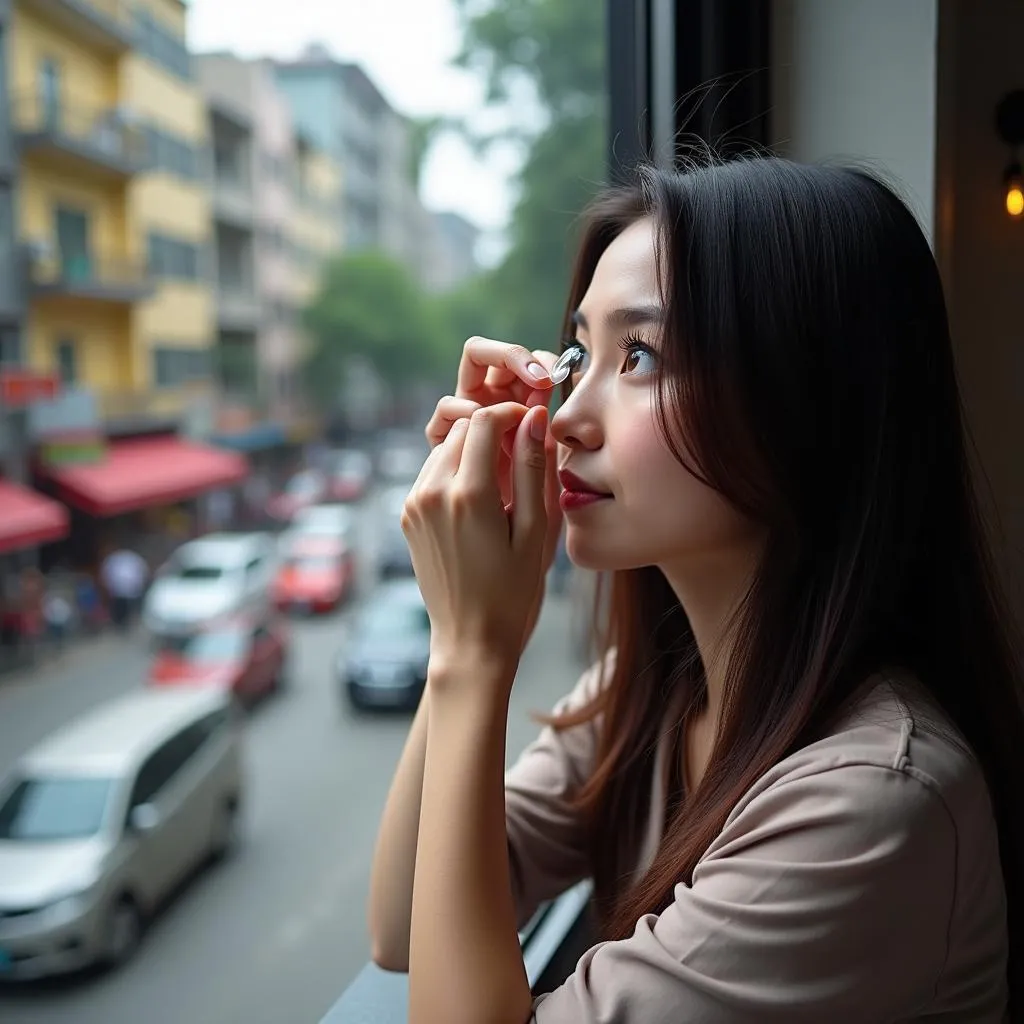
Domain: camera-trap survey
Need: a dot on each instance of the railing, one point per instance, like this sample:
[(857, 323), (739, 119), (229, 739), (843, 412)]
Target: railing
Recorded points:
[(110, 16), (96, 132), (233, 200), (89, 273), (552, 941), (238, 306)]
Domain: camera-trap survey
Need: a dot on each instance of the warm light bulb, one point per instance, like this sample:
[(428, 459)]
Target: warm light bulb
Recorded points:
[(1014, 199)]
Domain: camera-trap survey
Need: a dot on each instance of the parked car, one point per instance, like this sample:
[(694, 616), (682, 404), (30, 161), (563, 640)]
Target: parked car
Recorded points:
[(333, 521), (385, 663), (305, 488), (100, 822), (392, 556), (317, 574), (247, 658), (394, 559), (350, 475), (207, 579)]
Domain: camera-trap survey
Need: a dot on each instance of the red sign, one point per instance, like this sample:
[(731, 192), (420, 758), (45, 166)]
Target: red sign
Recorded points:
[(19, 388)]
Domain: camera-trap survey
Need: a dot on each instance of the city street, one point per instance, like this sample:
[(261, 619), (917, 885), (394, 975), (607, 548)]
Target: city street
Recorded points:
[(274, 934)]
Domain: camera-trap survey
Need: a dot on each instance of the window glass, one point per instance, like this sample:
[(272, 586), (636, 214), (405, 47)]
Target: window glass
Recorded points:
[(43, 809)]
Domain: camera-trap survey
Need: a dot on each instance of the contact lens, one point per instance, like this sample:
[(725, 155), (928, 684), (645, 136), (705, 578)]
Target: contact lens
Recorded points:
[(566, 363)]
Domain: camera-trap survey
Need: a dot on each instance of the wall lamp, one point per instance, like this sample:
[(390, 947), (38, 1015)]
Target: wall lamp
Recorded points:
[(1010, 126)]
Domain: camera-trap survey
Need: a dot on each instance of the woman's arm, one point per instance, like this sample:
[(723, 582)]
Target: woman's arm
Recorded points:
[(394, 858), (465, 962)]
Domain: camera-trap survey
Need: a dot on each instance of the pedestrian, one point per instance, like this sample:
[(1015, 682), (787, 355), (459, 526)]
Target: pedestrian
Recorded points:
[(124, 575), (58, 615), (795, 770)]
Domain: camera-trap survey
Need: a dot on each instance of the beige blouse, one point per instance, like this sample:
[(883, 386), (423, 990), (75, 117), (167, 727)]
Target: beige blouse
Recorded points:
[(857, 882)]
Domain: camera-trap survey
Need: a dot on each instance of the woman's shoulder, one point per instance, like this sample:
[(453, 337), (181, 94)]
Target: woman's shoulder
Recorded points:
[(893, 756)]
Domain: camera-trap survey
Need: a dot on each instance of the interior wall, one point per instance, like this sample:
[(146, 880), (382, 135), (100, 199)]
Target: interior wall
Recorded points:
[(983, 257)]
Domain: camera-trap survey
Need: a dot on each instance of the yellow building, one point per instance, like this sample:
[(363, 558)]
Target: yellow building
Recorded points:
[(316, 219), (113, 204)]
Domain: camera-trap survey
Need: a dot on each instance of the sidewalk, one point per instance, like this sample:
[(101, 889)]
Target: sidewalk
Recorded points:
[(82, 651)]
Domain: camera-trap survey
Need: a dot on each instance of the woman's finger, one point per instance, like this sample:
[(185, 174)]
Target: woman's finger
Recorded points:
[(478, 470), (448, 410), (529, 461), (510, 361)]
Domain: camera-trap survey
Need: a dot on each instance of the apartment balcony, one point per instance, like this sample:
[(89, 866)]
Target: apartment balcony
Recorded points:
[(81, 141), (238, 309), (233, 202), (106, 26), (113, 279)]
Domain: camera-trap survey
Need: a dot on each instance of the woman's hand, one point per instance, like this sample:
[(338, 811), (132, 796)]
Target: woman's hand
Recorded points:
[(480, 563), (491, 373)]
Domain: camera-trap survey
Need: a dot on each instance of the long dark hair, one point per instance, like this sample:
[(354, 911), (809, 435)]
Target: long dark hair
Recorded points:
[(807, 363)]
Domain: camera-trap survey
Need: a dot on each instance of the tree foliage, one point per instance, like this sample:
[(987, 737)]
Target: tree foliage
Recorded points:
[(556, 50), (543, 64), (368, 306)]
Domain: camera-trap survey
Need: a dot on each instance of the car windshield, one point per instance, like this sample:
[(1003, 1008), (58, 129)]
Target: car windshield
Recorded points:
[(200, 572), (46, 809), (389, 620), (311, 563), (209, 645), (319, 520)]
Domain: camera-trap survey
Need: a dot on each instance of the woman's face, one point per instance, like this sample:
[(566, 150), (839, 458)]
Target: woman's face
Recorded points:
[(655, 512)]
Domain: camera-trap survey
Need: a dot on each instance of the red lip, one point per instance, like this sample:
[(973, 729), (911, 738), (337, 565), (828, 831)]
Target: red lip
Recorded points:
[(571, 482)]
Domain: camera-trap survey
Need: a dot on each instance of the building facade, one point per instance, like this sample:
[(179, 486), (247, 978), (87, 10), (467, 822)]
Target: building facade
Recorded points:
[(339, 107), (113, 210), (277, 219)]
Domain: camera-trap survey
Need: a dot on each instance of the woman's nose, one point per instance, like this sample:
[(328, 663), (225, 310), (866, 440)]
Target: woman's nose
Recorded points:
[(576, 424)]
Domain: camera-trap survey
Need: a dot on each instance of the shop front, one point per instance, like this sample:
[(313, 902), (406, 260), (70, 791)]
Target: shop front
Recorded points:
[(143, 492)]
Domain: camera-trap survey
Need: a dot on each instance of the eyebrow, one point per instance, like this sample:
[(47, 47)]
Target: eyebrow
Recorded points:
[(627, 316)]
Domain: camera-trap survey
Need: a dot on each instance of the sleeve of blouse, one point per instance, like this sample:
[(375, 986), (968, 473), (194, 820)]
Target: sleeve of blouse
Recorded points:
[(827, 897), (546, 844)]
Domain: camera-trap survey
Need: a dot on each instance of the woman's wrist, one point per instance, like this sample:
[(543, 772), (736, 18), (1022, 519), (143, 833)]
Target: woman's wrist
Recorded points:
[(470, 671)]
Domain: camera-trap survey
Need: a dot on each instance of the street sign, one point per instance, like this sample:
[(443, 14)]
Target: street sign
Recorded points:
[(20, 388)]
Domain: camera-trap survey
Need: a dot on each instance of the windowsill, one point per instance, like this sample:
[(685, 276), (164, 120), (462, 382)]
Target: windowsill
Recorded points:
[(382, 997)]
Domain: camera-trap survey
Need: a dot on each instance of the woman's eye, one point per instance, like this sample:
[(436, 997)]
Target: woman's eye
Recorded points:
[(639, 359)]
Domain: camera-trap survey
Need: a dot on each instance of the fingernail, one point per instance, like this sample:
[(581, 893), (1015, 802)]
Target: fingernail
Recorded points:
[(536, 370), (539, 424)]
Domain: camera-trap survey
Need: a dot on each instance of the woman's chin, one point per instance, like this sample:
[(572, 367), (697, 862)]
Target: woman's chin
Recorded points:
[(596, 557)]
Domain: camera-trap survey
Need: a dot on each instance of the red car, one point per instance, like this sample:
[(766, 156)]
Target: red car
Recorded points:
[(249, 658), (317, 574)]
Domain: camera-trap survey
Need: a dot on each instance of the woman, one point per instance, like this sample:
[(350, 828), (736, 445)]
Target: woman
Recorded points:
[(795, 774)]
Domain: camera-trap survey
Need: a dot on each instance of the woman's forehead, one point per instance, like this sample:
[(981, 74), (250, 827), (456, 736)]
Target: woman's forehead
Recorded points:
[(626, 273)]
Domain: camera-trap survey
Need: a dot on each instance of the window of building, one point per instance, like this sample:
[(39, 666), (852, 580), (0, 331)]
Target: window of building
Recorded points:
[(67, 361), (10, 346), (170, 257), (175, 366), (168, 153), (161, 45)]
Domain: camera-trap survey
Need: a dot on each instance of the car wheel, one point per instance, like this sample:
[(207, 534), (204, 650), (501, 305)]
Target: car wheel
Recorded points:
[(226, 829), (122, 933)]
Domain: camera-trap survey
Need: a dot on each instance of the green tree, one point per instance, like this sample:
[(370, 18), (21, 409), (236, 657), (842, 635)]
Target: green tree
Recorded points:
[(369, 306), (556, 50)]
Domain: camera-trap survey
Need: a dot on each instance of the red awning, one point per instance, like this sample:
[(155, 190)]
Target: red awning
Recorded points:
[(28, 519), (143, 472)]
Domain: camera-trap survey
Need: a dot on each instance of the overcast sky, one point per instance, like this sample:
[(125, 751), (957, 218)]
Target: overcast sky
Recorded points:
[(405, 46)]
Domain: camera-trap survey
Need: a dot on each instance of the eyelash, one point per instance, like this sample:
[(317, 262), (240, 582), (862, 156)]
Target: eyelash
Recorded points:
[(629, 343), (633, 342)]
